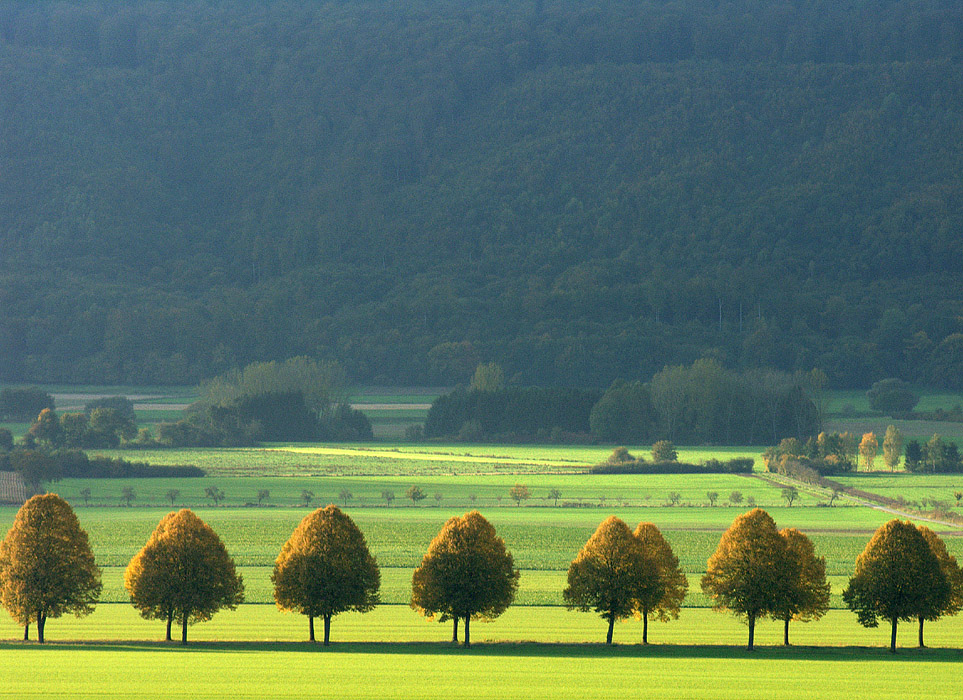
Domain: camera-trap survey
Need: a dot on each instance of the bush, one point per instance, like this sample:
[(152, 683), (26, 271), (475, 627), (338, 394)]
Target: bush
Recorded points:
[(640, 466), (664, 451)]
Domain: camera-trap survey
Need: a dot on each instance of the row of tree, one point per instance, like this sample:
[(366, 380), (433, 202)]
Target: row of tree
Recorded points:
[(184, 573)]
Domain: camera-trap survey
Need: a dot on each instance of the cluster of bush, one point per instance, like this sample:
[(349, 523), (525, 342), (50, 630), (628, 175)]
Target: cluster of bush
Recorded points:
[(40, 466), (664, 461), (827, 453)]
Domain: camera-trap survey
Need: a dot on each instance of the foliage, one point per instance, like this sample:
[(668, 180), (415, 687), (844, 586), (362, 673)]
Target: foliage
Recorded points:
[(808, 595), (183, 572), (46, 565), (415, 494), (325, 569), (467, 573), (488, 377), (897, 577), (737, 465), (321, 384), (892, 396), (868, 448), (953, 602), (624, 413), (663, 601), (23, 404), (611, 575), (750, 572), (892, 447), (664, 451), (519, 493)]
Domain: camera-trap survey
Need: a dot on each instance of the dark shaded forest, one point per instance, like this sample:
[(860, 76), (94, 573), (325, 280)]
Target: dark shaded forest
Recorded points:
[(579, 191)]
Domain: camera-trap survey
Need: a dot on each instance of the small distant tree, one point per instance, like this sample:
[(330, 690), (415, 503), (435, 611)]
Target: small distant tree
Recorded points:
[(215, 494), (751, 501), (735, 498), (415, 494), (307, 497), (438, 497), (263, 495), (610, 574), (46, 565), (868, 448), (345, 495), (620, 455), (664, 601), (913, 456), (749, 572), (325, 568), (555, 494), (808, 594), (389, 496), (713, 496), (183, 573), (675, 497), (519, 493), (472, 497), (172, 495), (897, 578), (958, 495), (834, 492), (85, 494), (892, 447), (128, 494), (664, 451), (790, 494)]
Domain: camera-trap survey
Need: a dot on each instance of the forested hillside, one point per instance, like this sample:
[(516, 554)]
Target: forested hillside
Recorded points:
[(577, 190)]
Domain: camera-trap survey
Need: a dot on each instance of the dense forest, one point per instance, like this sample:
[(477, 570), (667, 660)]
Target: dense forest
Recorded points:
[(579, 191)]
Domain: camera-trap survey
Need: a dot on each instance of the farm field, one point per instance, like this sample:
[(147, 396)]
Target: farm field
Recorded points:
[(698, 656)]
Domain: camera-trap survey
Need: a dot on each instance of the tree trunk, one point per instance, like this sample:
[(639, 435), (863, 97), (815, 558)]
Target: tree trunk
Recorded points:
[(26, 632), (327, 630), (184, 628), (608, 635), (921, 633), (892, 639), (41, 621), (311, 628), (752, 630), (170, 622), (645, 626), (454, 631), (785, 633), (467, 632)]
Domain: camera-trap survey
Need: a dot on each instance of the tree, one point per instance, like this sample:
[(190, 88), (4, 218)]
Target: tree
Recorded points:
[(415, 494), (128, 494), (556, 494), (306, 497), (488, 377), (748, 574), (345, 495), (611, 575), (467, 573), (713, 496), (46, 429), (735, 498), (183, 572), (892, 396), (389, 496), (897, 578), (85, 494), (519, 493), (215, 494), (868, 447), (263, 495), (172, 495), (790, 494), (325, 569), (675, 497), (664, 601), (808, 597), (46, 565), (892, 447), (953, 602), (664, 451)]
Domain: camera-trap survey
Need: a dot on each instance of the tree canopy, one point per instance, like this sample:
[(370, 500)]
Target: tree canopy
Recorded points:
[(325, 569), (808, 592), (467, 573), (663, 601), (183, 572), (750, 573), (46, 565), (897, 577), (953, 602)]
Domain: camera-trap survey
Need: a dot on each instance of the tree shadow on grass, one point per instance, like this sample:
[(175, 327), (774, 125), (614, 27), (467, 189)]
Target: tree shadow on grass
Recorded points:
[(514, 649)]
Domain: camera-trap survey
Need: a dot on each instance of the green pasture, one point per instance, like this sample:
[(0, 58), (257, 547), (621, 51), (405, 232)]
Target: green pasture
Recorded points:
[(392, 652), (912, 487)]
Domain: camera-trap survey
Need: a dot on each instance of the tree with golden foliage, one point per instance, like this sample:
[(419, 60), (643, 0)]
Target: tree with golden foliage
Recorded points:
[(897, 577), (46, 565), (611, 574), (325, 568), (750, 571), (808, 597), (183, 572), (664, 601), (868, 449), (953, 602), (892, 447), (467, 573)]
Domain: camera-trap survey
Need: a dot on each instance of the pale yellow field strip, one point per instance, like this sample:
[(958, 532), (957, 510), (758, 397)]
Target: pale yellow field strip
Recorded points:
[(424, 456)]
